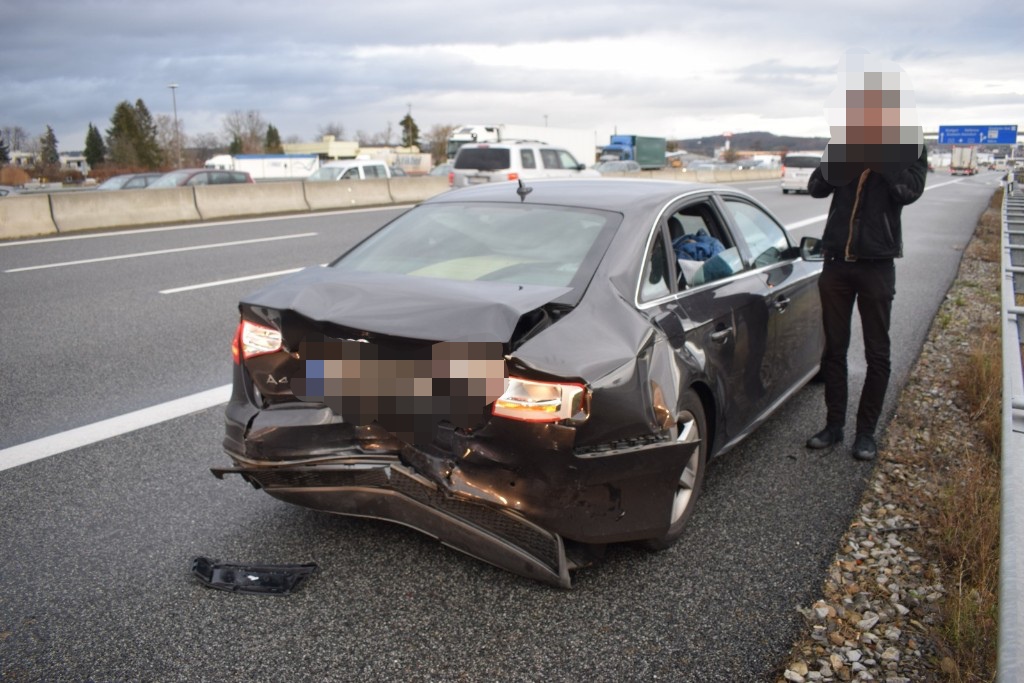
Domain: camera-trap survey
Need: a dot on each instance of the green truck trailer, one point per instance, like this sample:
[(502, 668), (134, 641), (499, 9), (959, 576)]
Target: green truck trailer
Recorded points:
[(647, 151)]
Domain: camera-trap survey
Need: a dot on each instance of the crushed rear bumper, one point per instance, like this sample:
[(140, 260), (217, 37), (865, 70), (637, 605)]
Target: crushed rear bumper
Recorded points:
[(395, 493)]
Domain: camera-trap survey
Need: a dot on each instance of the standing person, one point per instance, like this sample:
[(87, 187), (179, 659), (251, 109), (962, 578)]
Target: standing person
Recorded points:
[(873, 167)]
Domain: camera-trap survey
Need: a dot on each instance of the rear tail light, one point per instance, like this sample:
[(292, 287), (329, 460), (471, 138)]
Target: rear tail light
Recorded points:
[(451, 179), (513, 176), (254, 340), (532, 401)]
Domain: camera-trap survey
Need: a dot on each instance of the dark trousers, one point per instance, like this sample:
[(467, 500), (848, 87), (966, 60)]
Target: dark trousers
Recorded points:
[(872, 284)]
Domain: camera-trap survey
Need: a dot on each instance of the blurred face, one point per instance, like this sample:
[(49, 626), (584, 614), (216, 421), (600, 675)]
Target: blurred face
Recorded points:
[(872, 117)]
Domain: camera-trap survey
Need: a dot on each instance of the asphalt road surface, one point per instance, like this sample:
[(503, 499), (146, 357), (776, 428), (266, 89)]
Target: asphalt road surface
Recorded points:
[(100, 337)]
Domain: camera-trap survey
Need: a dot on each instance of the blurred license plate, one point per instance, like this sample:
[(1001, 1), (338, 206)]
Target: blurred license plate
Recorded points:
[(476, 179)]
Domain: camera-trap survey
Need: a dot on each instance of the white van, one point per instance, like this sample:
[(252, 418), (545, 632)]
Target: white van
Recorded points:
[(497, 161), (797, 168), (351, 169)]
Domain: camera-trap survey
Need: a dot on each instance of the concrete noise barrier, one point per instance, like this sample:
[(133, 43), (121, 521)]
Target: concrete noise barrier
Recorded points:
[(412, 190), (241, 200), (346, 194), (122, 208), (26, 216)]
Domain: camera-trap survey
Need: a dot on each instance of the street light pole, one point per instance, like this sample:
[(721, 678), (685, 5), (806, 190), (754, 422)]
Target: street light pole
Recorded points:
[(177, 138)]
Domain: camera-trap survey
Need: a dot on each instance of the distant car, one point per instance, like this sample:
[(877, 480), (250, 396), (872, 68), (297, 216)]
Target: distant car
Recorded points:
[(129, 181), (190, 177), (711, 166), (618, 166), (477, 163), (352, 169), (397, 171), (6, 190), (797, 168), (526, 371), (442, 169)]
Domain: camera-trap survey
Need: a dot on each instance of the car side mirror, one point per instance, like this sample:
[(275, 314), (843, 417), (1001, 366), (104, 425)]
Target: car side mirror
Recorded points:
[(810, 249)]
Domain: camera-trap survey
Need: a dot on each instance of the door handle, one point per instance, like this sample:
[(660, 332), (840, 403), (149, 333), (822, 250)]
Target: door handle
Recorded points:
[(781, 304), (720, 336)]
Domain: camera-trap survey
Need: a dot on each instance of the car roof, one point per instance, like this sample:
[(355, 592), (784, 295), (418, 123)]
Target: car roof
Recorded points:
[(610, 194), (352, 162)]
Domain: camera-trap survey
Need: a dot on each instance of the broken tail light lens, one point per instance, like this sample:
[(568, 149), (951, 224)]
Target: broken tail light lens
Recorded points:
[(254, 340), (532, 401)]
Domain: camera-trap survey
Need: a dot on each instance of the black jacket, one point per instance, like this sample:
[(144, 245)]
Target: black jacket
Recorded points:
[(874, 231)]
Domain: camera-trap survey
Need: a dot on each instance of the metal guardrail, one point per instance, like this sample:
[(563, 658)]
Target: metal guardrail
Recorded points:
[(1010, 664)]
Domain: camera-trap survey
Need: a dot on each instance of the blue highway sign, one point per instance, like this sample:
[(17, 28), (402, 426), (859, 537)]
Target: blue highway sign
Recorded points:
[(977, 135)]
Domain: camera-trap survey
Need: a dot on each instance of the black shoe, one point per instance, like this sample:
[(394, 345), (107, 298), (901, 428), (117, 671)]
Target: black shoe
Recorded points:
[(829, 436), (864, 447)]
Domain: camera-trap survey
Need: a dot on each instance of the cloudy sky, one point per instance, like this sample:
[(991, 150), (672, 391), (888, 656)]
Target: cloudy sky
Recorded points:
[(654, 67)]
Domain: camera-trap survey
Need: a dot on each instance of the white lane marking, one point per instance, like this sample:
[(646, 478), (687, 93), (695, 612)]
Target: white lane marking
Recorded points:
[(189, 288), (193, 226), (815, 219), (31, 451), (159, 252)]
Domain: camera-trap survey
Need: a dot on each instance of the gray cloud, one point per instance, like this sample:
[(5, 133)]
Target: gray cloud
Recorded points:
[(302, 63)]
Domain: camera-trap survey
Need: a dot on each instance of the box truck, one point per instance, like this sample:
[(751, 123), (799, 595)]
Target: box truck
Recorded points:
[(268, 166), (964, 161), (647, 151)]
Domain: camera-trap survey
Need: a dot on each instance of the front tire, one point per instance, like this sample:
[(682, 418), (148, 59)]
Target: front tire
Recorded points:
[(692, 427)]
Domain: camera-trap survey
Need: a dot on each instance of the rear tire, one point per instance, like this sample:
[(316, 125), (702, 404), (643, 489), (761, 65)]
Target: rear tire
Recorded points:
[(692, 427)]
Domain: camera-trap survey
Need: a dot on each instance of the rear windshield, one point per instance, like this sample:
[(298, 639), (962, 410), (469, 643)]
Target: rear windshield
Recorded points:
[(483, 158), (521, 243), (801, 161)]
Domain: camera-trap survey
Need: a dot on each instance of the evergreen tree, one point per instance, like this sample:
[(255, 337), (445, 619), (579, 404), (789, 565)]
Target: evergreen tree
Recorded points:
[(5, 152), (95, 151), (122, 134), (146, 145), (236, 146), (132, 136), (48, 148), (410, 131), (272, 144)]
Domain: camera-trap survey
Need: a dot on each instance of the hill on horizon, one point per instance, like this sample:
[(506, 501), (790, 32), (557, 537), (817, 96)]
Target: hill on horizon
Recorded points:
[(758, 141)]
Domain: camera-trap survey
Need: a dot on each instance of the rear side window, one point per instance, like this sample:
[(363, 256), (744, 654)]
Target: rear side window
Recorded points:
[(483, 158), (550, 158), (373, 171), (801, 161), (527, 158)]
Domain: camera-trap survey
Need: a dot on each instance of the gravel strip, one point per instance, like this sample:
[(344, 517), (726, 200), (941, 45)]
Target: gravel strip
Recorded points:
[(884, 592)]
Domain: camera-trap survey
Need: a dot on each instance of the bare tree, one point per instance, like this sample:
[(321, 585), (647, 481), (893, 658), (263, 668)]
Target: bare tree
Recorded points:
[(436, 142), (249, 127), (205, 145), (16, 138), (332, 128), (165, 137), (381, 139)]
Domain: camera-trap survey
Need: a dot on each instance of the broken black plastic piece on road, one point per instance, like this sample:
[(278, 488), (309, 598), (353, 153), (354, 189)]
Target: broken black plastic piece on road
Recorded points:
[(266, 579)]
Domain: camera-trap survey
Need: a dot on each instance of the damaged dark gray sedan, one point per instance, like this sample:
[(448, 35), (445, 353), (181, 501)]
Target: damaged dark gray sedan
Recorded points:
[(526, 373)]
